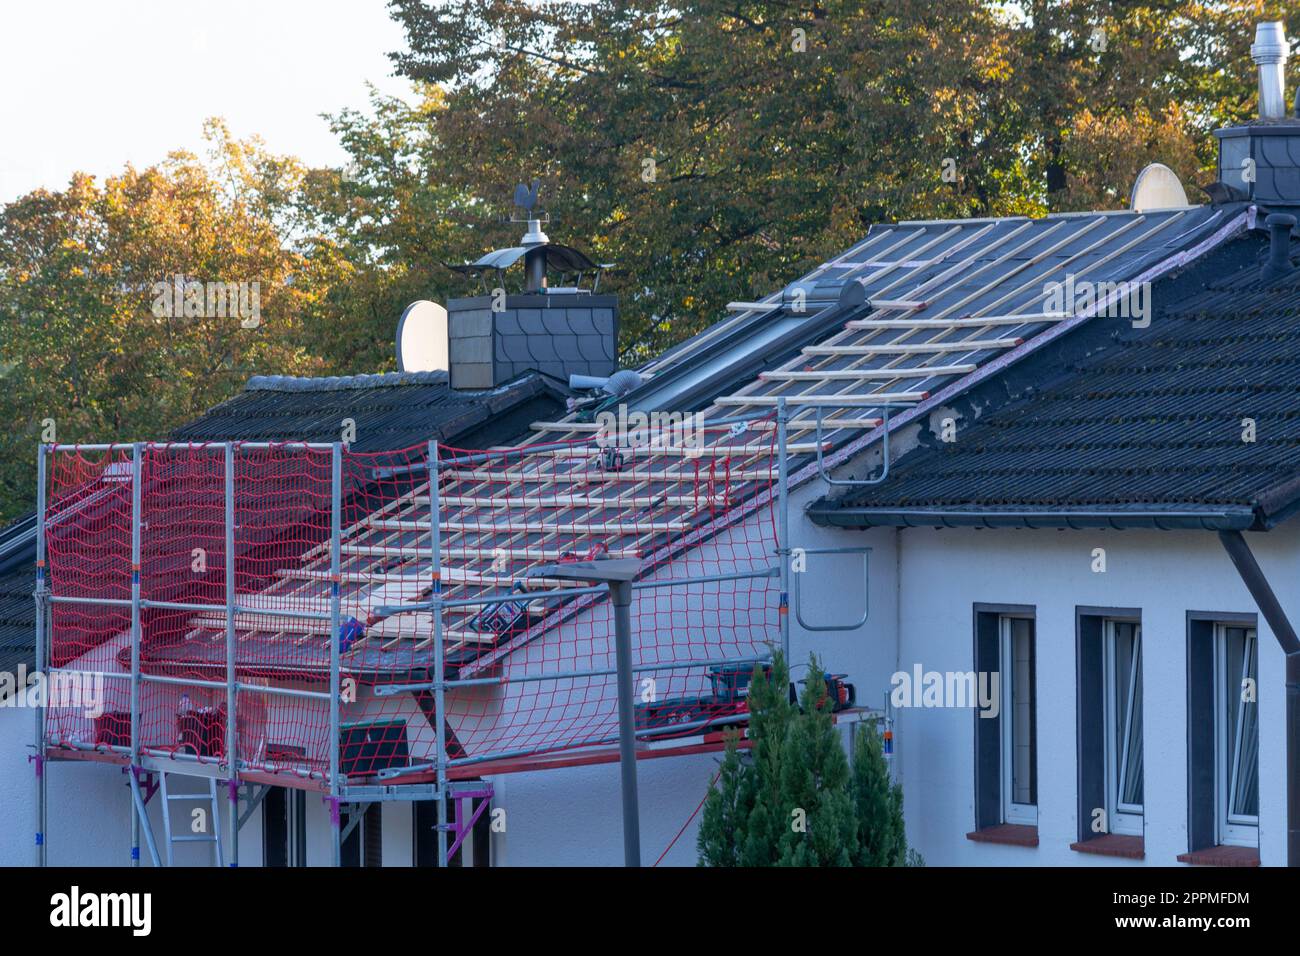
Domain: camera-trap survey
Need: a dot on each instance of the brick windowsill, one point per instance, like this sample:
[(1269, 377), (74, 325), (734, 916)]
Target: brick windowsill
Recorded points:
[(1222, 856), (1113, 844), (1007, 834)]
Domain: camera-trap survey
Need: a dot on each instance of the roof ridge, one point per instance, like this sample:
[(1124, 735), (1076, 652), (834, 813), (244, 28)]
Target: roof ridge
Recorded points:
[(294, 383)]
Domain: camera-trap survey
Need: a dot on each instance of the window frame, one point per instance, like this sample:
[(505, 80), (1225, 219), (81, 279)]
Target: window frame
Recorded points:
[(1239, 829), (1121, 818), (1013, 812)]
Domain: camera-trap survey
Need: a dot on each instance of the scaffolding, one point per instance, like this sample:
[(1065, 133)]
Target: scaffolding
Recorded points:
[(379, 627)]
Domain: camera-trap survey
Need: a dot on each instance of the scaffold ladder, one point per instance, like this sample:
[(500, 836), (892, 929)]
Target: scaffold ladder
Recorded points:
[(211, 829)]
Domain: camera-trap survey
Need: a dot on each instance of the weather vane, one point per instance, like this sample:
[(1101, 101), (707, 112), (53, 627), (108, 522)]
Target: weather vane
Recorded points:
[(526, 199)]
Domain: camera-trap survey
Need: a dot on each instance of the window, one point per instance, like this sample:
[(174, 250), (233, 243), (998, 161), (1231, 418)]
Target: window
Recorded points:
[(1222, 736), (1123, 726), (1019, 750), (1006, 745), (284, 827), (364, 844), (1236, 734), (425, 834)]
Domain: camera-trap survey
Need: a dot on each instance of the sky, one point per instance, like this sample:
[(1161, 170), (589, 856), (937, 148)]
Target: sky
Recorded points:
[(94, 84)]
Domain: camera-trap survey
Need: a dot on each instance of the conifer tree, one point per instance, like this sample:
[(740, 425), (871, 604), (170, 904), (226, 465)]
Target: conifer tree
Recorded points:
[(878, 805), (820, 824), (790, 800)]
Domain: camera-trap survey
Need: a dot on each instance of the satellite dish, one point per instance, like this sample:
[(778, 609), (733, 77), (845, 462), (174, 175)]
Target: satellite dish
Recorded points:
[(1157, 187), (422, 338)]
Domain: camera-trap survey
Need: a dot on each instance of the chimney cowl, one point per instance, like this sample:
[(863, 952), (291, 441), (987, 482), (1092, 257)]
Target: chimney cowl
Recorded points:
[(1270, 51)]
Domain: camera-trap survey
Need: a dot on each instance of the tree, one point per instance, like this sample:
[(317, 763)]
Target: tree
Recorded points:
[(815, 785), (791, 800), (86, 342), (726, 811), (716, 150), (388, 220), (878, 803)]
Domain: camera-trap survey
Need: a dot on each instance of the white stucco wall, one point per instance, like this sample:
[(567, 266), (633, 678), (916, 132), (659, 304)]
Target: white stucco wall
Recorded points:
[(1166, 574), (88, 813)]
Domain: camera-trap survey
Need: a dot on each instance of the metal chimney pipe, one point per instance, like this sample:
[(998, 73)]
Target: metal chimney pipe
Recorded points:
[(535, 258), (1270, 52)]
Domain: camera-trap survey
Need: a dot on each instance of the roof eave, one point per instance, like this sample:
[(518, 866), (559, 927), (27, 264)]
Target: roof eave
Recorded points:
[(1199, 519)]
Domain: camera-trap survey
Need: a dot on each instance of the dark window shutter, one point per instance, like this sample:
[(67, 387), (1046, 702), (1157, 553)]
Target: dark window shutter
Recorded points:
[(988, 734), (1091, 716)]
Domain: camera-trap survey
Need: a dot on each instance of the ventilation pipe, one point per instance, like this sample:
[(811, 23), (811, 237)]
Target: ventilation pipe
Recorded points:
[(1270, 52), (1279, 246)]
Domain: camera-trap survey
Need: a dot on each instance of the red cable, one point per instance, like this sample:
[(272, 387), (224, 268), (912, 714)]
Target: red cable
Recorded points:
[(688, 819)]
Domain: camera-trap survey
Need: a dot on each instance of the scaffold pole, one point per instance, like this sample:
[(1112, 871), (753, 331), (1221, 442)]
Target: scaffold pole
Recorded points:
[(41, 606), (137, 818), (620, 593), (232, 754), (439, 677), (783, 518), (336, 533)]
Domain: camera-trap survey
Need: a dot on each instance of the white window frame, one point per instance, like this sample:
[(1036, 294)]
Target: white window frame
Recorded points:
[(1123, 818), (1024, 814), (1232, 829)]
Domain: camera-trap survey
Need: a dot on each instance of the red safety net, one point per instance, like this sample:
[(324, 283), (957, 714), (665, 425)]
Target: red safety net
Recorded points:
[(530, 675)]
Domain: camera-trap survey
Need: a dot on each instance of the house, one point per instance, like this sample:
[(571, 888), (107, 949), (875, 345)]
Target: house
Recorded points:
[(1083, 536), (1017, 460)]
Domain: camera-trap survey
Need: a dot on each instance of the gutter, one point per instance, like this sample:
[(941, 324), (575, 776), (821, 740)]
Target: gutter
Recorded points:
[(1222, 520), (1259, 588)]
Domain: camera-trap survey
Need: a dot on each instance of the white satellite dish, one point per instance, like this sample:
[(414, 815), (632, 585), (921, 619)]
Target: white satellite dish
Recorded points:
[(1157, 187), (422, 338)]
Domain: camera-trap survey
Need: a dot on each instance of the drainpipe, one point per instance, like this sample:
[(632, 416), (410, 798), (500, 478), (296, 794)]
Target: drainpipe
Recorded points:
[(1266, 600)]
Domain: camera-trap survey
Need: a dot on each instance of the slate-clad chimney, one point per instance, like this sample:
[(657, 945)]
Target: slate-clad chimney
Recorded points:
[(557, 331), (1260, 160), (559, 334)]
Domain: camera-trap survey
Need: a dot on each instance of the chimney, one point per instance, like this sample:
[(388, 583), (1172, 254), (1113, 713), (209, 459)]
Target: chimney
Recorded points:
[(1270, 51), (493, 338), (1259, 161), (556, 330)]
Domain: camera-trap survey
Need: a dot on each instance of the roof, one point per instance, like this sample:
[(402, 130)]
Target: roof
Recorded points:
[(1123, 427), (925, 284), (391, 411), (17, 618)]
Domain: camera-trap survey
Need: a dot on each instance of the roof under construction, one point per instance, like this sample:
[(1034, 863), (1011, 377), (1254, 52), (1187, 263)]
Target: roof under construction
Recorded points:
[(1120, 426)]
